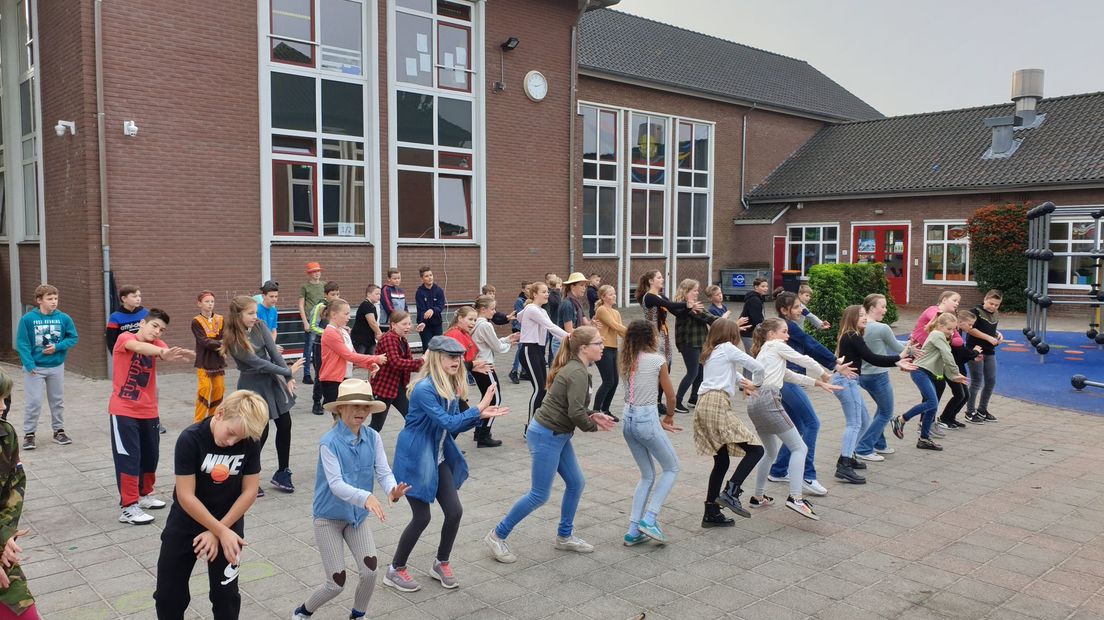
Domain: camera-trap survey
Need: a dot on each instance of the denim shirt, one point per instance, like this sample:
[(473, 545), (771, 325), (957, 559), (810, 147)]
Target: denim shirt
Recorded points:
[(356, 455), (431, 424)]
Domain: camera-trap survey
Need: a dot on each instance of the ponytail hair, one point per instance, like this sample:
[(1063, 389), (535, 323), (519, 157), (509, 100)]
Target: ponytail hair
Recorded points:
[(532, 290), (569, 349), (602, 292), (483, 302), (783, 302), (759, 336), (461, 312), (332, 306), (398, 316), (645, 284)]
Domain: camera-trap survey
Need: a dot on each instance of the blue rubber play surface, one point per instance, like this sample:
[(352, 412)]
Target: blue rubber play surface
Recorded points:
[(1020, 374)]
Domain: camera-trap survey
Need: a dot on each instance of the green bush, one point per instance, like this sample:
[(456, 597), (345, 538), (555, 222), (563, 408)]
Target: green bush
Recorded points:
[(998, 239), (838, 285)]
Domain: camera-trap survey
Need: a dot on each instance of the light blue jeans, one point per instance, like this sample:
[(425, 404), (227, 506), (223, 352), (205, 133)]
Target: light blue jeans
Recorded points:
[(881, 390), (552, 453), (647, 440), (855, 416)]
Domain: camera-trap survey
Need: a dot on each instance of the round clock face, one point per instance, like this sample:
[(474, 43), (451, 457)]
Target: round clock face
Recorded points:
[(536, 85)]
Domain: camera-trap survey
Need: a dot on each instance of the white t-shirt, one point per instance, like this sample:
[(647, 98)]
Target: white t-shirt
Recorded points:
[(725, 366)]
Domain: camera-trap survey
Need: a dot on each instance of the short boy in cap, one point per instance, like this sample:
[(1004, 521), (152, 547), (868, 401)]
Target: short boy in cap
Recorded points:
[(351, 459), (311, 293)]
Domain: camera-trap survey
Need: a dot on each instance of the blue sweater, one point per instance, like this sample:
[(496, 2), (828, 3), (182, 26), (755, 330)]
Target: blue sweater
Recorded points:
[(432, 298), (431, 423), (807, 345), (36, 330)]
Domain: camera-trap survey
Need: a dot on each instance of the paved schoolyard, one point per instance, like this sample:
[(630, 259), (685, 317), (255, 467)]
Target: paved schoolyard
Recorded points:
[(1004, 524)]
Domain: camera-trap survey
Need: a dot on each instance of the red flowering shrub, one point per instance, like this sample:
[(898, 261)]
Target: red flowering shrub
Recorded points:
[(998, 239)]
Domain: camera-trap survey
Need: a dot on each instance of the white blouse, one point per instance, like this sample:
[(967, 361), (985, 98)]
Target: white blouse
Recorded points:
[(487, 340), (724, 368), (774, 355), (535, 325)]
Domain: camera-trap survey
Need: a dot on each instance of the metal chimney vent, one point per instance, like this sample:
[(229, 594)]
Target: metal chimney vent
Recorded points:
[(1027, 90)]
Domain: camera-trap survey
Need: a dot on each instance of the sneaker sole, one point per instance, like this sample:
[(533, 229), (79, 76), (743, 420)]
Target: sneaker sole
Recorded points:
[(391, 584), (62, 443), (28, 448), (707, 524), (455, 584), (807, 515), (870, 458), (125, 520), (280, 487), (659, 539), (575, 549)]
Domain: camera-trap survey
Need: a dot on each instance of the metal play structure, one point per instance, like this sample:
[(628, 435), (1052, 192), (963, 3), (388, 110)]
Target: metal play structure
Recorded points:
[(1039, 255)]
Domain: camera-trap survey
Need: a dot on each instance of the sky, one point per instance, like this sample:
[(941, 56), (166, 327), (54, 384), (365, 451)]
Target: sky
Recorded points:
[(908, 57)]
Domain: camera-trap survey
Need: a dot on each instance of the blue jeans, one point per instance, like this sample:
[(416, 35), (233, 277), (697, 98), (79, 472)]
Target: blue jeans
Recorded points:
[(925, 382), (308, 352), (552, 453), (983, 378), (856, 417), (880, 389), (800, 409), (647, 440)]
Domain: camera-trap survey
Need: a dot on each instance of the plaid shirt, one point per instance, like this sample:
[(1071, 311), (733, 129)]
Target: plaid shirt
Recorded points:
[(691, 328), (395, 374)]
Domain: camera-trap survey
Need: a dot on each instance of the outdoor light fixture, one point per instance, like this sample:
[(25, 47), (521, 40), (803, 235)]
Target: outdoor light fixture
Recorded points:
[(510, 44), (64, 127), (506, 46), (130, 128)]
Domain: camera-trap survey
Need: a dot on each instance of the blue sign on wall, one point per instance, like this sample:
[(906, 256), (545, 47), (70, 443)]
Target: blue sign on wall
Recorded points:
[(738, 280)]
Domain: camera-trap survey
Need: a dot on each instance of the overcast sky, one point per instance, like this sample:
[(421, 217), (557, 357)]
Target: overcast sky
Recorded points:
[(906, 57)]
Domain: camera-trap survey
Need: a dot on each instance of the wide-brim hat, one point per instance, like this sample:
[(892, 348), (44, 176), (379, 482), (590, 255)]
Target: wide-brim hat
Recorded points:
[(446, 345), (356, 392), (575, 277)]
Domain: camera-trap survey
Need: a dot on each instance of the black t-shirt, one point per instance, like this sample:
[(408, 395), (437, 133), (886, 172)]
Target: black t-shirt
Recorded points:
[(198, 455), (987, 324), (362, 331)]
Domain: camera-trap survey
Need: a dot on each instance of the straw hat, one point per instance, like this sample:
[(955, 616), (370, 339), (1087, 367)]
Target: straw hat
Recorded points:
[(356, 392), (575, 277)]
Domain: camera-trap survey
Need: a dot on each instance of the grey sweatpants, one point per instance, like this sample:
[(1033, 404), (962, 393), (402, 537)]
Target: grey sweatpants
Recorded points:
[(331, 537), (48, 381)]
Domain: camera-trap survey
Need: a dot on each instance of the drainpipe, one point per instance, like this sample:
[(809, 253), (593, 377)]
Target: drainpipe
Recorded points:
[(101, 144), (572, 104), (743, 156)]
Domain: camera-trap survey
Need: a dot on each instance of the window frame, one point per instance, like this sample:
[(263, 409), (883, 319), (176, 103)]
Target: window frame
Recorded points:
[(945, 242), (314, 44), (650, 188), (693, 190), (598, 183), (474, 174), (820, 243), (1068, 243)]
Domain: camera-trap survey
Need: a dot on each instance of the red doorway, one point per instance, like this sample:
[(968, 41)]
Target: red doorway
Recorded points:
[(887, 244), (779, 261)]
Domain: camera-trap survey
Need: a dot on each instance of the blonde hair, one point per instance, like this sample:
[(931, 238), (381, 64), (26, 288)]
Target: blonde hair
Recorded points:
[(945, 295), (759, 336), (711, 290), (5, 385), (685, 287), (554, 281), (603, 290), (569, 349), (804, 288), (871, 300), (461, 312), (235, 335), (249, 408), (849, 324), (333, 306), (532, 290), (448, 387), (944, 320), (483, 302)]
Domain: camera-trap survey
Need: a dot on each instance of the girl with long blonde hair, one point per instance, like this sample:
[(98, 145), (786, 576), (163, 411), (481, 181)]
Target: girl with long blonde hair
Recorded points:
[(536, 328), (937, 363)]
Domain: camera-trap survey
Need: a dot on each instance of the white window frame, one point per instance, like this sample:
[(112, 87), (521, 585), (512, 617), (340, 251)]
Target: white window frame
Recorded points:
[(369, 138), (476, 97), (665, 186), (599, 184), (820, 243), (965, 241), (692, 190), (1066, 245)]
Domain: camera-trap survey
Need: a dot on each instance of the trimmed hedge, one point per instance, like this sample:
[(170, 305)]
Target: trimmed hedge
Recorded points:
[(998, 239), (838, 285)]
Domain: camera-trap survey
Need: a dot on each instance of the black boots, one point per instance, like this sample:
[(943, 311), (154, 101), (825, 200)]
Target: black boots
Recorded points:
[(730, 498), (483, 438), (856, 463), (714, 517), (845, 472)]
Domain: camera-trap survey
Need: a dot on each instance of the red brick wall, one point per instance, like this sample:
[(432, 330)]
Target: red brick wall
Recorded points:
[(751, 240)]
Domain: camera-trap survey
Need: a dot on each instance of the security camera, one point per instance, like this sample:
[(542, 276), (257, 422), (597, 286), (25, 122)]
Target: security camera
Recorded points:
[(130, 128), (65, 126)]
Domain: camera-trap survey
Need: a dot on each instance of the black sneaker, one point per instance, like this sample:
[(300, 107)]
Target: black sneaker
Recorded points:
[(975, 418), (681, 408), (29, 442), (988, 416), (514, 378), (307, 380), (924, 443), (61, 438), (161, 430), (317, 409), (693, 402), (958, 424)]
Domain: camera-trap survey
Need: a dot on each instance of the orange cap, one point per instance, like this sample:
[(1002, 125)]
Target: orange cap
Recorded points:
[(313, 267)]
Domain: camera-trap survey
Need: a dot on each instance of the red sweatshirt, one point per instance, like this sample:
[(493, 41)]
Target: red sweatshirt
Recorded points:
[(339, 357)]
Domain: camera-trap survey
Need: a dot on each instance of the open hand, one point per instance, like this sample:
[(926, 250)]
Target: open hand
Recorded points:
[(482, 366), (906, 365), (11, 551), (397, 492), (298, 365), (845, 369), (668, 423), (828, 387), (743, 323), (205, 546), (825, 325), (231, 545), (961, 379), (604, 422), (373, 506), (493, 412)]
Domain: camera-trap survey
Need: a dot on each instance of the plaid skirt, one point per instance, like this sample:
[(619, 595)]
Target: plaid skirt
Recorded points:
[(716, 424), (766, 412)]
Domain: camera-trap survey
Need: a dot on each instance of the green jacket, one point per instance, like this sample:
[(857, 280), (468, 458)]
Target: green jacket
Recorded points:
[(938, 358), (564, 408), (13, 481)]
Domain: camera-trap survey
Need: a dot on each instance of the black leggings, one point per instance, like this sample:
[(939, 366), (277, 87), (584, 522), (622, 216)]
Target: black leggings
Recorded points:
[(752, 454), (483, 382), (607, 368), (533, 361), (691, 356), (450, 505), (174, 569), (316, 363), (283, 439), (401, 404), (959, 395)]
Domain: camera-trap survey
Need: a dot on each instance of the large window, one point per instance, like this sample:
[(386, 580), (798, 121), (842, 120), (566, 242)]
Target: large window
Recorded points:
[(1072, 236), (434, 110), (27, 118), (947, 253), (317, 87), (600, 180), (692, 185), (648, 184), (811, 244)]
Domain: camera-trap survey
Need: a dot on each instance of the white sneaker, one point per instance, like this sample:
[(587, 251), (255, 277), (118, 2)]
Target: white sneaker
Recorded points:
[(499, 549), (133, 515), (149, 502), (873, 457), (943, 426), (778, 478), (812, 487), (885, 450), (574, 543)]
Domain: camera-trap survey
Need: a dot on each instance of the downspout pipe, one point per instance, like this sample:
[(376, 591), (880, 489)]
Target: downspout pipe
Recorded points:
[(572, 105), (743, 158), (101, 145)]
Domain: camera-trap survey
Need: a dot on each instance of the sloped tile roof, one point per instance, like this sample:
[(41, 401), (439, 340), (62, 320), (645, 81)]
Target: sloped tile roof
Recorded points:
[(942, 151), (623, 45), (757, 214)]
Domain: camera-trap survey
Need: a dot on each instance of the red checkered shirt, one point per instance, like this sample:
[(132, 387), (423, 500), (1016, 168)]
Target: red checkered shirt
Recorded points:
[(395, 374)]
